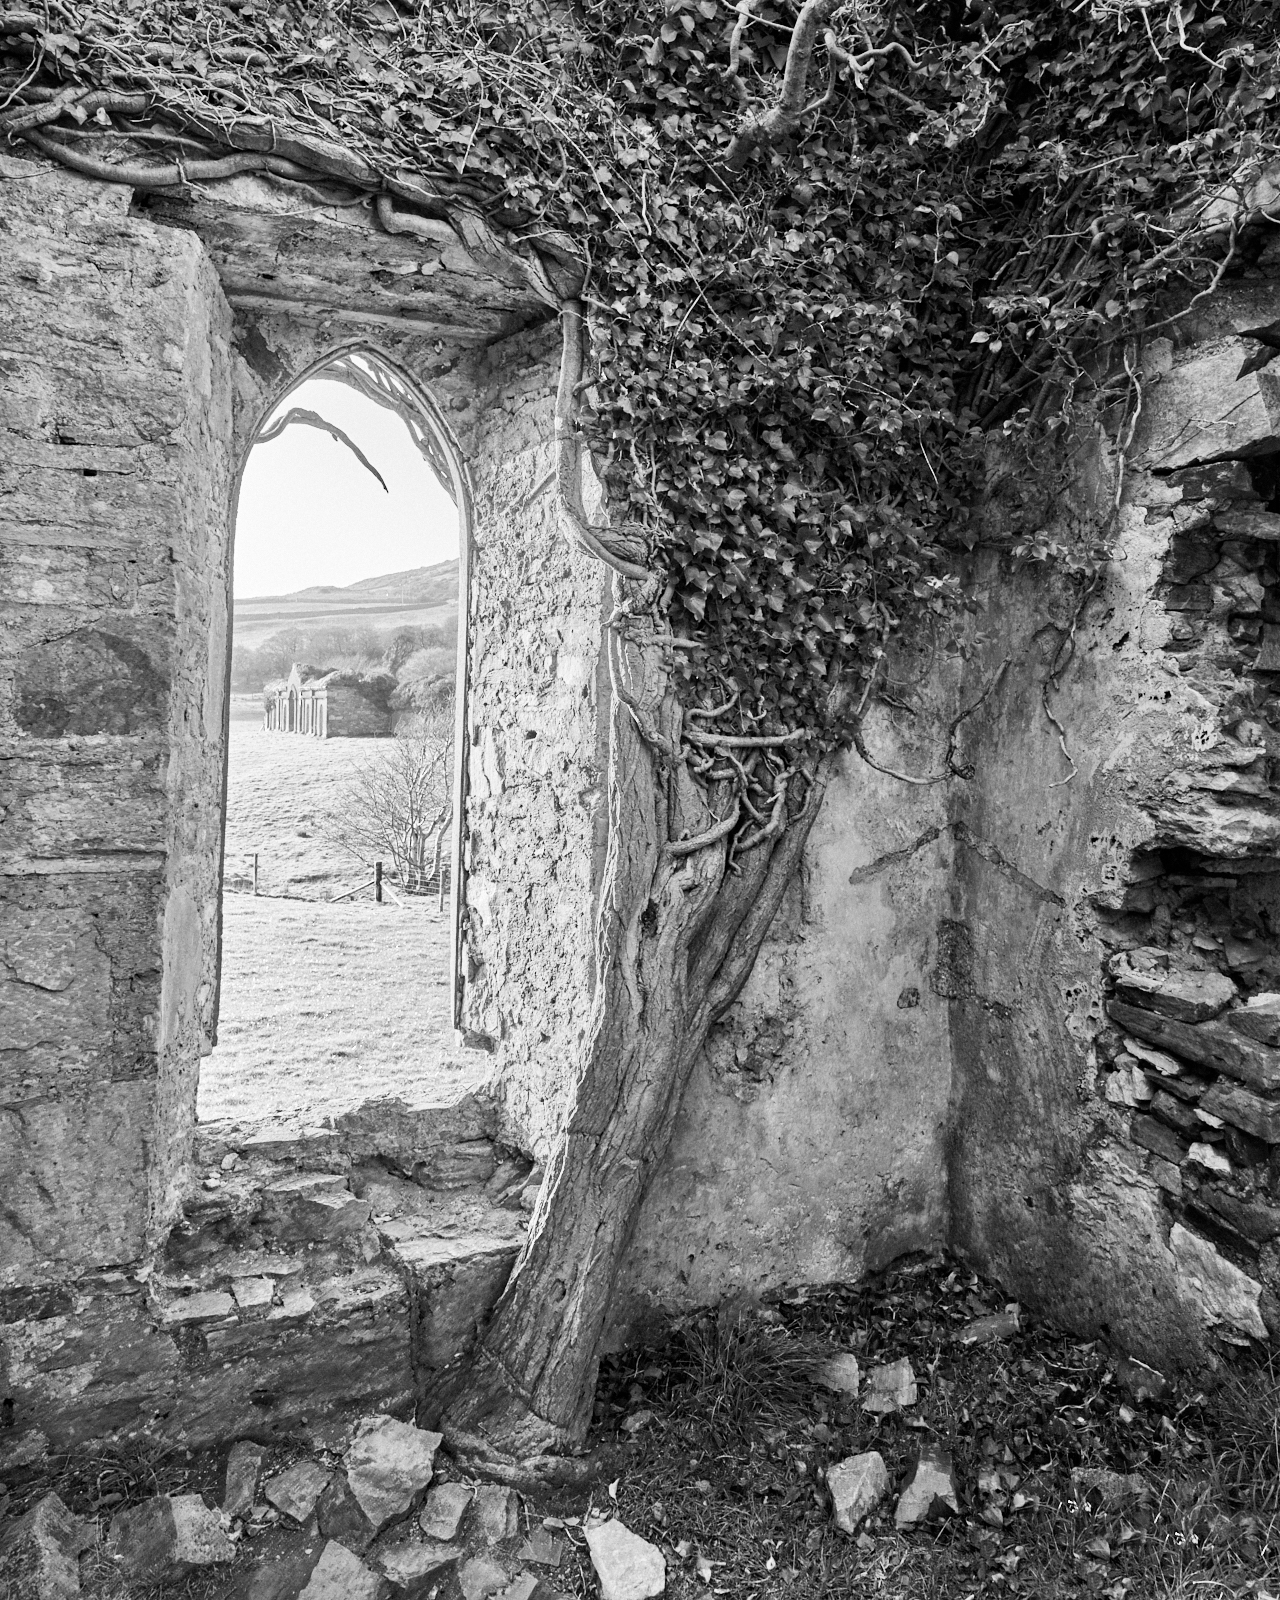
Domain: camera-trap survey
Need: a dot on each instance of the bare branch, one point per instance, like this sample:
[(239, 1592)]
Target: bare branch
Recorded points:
[(138, 176), (721, 830), (312, 419), (746, 741)]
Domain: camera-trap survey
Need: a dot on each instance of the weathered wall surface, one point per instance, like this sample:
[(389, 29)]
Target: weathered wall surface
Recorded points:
[(1127, 1189), (113, 496), (811, 1142)]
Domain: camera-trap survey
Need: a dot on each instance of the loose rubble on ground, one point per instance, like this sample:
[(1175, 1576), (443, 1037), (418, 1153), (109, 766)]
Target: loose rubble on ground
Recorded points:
[(913, 1435)]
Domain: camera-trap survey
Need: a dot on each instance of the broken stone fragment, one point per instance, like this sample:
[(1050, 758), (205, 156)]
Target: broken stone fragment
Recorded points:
[(890, 1388), (543, 1547), (169, 1536), (930, 1490), (987, 1330), (1166, 1065), (524, 1586), (244, 1465), (495, 1514), (443, 1510), (311, 1207), (1253, 1219), (1242, 1109), (1247, 523), (252, 1293), (40, 1552), (857, 1486), (1110, 1489), (388, 1465), (1209, 1158), (1162, 1141), (412, 1568), (294, 1491), (839, 1373), (1147, 977), (1218, 1288), (478, 1579), (1209, 1044), (210, 1306), (1259, 1018), (340, 1517), (628, 1567), (338, 1575)]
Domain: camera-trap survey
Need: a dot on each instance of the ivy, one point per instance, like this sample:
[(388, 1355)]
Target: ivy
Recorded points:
[(797, 363)]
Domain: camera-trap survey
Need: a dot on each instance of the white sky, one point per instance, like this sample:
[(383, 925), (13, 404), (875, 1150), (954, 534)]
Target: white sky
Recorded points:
[(310, 513)]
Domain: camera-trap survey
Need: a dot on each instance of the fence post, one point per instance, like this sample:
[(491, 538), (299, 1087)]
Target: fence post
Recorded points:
[(255, 872), (377, 881)]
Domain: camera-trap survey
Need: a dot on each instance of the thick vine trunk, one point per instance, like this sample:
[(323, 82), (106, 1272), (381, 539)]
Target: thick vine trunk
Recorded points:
[(676, 940)]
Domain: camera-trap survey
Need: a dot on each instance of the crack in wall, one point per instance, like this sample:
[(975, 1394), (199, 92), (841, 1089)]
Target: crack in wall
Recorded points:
[(964, 835)]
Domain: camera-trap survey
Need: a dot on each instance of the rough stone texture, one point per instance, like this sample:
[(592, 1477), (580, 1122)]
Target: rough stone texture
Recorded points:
[(478, 1578), (494, 1514), (1259, 1018), (411, 1567), (339, 1575), (40, 1552), (857, 1486), (931, 1483), (839, 1373), (244, 1467), (628, 1567), (890, 1388), (388, 1465), (1149, 978), (1217, 1288), (443, 1510), (168, 1537), (294, 1491)]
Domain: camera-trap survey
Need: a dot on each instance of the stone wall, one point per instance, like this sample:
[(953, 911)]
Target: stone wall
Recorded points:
[(115, 481)]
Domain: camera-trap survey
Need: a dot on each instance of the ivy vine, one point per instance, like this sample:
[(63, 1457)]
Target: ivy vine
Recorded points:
[(831, 250)]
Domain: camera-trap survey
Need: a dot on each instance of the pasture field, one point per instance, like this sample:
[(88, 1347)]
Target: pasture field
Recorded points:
[(324, 1006)]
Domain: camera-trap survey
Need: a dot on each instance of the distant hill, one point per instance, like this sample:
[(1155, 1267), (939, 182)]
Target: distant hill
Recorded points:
[(422, 595)]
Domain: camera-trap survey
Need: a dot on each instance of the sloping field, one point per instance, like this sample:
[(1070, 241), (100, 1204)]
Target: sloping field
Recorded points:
[(422, 596), (327, 1006)]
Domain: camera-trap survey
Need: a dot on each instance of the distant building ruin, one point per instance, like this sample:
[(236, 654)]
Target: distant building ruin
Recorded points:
[(328, 703)]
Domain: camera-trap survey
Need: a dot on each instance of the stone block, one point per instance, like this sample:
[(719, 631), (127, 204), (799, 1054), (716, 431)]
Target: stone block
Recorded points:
[(930, 1490), (388, 1465), (1208, 1044), (1174, 1114), (244, 1467), (339, 1516), (989, 1330), (294, 1491), (890, 1387), (211, 1306), (1247, 522), (839, 1373), (1149, 978), (40, 1552), (1243, 1109), (1157, 1137), (1216, 1286), (443, 1510), (168, 1537), (494, 1514), (628, 1567), (339, 1575), (1209, 1158), (413, 1568), (857, 1486), (312, 1208), (1253, 1218), (1259, 1018), (252, 1294)]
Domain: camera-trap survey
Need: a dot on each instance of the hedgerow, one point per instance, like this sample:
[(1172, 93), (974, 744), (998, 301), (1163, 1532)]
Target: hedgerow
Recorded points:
[(830, 253)]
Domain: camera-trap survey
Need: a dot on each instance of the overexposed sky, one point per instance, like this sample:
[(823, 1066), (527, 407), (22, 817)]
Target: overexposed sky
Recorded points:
[(309, 512)]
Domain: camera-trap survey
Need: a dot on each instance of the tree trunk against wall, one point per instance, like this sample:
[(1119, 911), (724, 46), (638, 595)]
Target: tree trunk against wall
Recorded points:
[(677, 937)]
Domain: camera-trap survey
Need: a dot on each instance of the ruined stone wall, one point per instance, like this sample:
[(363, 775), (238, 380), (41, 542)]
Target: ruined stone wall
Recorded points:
[(1114, 1150), (113, 500)]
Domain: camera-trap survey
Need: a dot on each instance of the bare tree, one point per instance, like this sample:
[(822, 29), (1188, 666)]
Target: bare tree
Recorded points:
[(399, 807)]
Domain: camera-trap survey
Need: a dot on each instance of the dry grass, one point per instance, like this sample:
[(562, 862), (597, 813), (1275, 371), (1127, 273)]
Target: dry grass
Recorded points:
[(324, 1006), (327, 1006)]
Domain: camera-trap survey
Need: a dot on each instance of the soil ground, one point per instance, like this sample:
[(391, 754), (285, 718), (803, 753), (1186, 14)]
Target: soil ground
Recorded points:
[(324, 1006), (713, 1445)]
